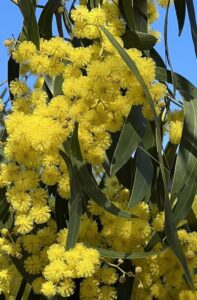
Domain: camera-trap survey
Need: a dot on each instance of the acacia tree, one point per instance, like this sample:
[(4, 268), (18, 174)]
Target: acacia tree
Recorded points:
[(98, 157)]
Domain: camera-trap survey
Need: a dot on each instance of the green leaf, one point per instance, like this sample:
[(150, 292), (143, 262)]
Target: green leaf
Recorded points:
[(186, 198), (185, 177), (61, 211), (131, 135), (173, 241), (192, 19), (45, 20), (143, 179), (141, 15), (184, 86), (30, 22), (58, 86), (180, 7), (139, 40), (155, 239), (75, 205), (13, 72), (123, 255), (88, 183), (186, 159), (126, 10)]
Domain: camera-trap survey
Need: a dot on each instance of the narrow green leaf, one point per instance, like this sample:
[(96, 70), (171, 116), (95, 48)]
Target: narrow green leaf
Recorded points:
[(75, 205), (173, 241), (131, 135), (184, 86), (143, 179), (192, 19), (180, 7), (139, 40), (126, 10), (13, 72), (116, 254), (186, 198), (61, 208), (141, 15), (186, 159), (58, 86), (30, 22), (45, 20), (155, 239), (88, 183)]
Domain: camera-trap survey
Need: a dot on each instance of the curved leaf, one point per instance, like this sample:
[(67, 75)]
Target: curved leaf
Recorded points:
[(126, 10), (45, 20), (116, 254), (192, 19), (131, 135), (30, 23), (139, 40), (75, 205), (180, 7), (143, 179)]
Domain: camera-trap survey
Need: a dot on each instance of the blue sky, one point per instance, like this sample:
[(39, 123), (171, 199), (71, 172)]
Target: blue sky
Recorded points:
[(181, 49)]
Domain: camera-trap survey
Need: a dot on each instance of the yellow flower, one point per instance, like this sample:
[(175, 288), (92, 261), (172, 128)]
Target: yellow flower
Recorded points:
[(66, 287), (48, 289), (18, 88), (23, 224), (37, 285), (40, 213), (56, 251), (107, 292), (31, 243), (33, 264), (55, 271), (89, 289), (24, 52)]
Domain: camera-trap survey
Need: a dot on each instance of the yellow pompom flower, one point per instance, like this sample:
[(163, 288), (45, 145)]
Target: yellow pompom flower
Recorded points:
[(164, 3), (187, 294), (40, 213), (80, 57), (55, 271), (48, 289), (175, 126), (39, 64), (18, 88), (107, 292), (31, 243), (23, 224), (56, 251), (80, 14), (66, 288), (37, 285), (24, 52), (89, 289), (33, 264), (158, 222), (108, 276)]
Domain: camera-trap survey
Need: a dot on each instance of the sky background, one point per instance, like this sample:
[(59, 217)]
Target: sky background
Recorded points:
[(181, 49)]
